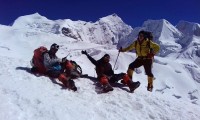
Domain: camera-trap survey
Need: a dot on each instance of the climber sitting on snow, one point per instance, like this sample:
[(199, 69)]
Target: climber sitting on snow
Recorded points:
[(52, 62), (47, 63), (106, 75)]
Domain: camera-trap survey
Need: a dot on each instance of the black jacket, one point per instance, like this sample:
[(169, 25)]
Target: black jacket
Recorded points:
[(102, 68)]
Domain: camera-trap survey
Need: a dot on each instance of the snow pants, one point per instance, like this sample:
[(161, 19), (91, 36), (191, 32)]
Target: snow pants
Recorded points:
[(104, 79), (145, 62)]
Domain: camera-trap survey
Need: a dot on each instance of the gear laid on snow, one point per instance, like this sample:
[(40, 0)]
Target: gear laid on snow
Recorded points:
[(70, 70), (71, 67)]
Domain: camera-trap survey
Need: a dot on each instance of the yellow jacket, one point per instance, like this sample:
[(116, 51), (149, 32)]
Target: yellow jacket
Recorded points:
[(143, 49)]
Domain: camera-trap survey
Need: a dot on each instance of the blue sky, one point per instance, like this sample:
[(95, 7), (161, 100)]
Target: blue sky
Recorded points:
[(132, 12)]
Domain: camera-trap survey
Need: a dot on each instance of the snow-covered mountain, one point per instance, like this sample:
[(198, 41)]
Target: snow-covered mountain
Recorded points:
[(25, 96), (188, 28), (107, 30), (191, 39)]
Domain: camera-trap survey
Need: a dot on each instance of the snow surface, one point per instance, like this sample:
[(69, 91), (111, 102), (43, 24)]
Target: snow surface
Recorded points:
[(24, 96)]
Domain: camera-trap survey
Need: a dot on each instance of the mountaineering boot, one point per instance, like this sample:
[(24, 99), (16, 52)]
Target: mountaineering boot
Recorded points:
[(34, 70), (70, 84), (127, 76), (107, 88), (133, 85), (125, 79), (150, 84), (150, 87)]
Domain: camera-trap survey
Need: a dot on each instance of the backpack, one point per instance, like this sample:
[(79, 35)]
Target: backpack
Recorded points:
[(148, 35), (77, 67), (38, 59), (71, 67)]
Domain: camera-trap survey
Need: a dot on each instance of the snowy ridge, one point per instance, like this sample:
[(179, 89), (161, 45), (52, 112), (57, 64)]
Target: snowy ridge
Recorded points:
[(108, 30), (24, 96), (191, 45), (189, 28)]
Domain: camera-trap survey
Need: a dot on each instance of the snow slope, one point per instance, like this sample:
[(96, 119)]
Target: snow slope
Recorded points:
[(25, 96)]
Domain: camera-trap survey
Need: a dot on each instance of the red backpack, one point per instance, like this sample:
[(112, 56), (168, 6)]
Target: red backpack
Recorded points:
[(38, 59)]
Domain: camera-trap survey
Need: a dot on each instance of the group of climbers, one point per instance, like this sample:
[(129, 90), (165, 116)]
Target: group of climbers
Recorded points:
[(66, 71)]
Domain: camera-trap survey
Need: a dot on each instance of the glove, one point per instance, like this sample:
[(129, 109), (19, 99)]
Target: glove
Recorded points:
[(84, 52), (120, 49), (150, 55)]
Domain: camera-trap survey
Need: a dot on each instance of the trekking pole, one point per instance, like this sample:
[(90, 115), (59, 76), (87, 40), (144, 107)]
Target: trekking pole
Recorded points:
[(67, 55), (116, 60)]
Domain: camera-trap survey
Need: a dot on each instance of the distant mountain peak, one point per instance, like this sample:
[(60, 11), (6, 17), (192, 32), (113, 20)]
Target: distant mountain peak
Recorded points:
[(22, 21), (113, 17), (160, 25), (187, 22), (114, 14), (160, 21), (189, 28), (34, 16)]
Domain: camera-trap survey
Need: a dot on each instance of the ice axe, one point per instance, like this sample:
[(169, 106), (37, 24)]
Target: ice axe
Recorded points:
[(116, 60)]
